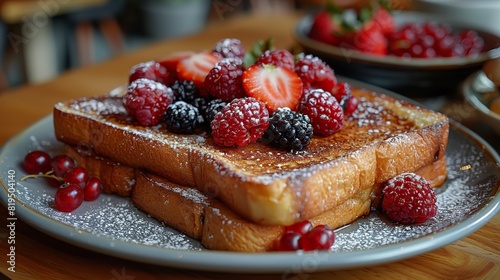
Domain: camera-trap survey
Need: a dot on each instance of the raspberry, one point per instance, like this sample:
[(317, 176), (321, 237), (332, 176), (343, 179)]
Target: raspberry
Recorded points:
[(224, 80), (230, 48), (184, 91), (326, 114), (409, 198), (213, 107), (343, 94), (182, 118), (147, 101), (315, 73), (150, 70), (282, 58), (241, 122), (288, 130)]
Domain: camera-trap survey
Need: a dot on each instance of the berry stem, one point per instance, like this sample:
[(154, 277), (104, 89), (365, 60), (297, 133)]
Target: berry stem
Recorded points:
[(49, 174)]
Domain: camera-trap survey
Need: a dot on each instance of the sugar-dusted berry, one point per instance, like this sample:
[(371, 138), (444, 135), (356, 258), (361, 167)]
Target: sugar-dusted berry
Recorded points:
[(230, 48), (182, 118), (326, 114), (282, 58), (288, 130), (315, 73), (147, 101), (224, 81), (213, 107), (241, 122), (409, 198)]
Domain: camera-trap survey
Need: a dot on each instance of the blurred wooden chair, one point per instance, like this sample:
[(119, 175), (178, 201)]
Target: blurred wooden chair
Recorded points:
[(105, 16)]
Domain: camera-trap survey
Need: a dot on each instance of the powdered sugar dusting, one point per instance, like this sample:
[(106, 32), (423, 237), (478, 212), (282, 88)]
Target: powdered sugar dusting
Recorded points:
[(465, 192), (111, 217), (473, 182)]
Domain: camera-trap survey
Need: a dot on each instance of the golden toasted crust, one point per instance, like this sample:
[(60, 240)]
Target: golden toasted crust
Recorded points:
[(383, 138), (210, 221)]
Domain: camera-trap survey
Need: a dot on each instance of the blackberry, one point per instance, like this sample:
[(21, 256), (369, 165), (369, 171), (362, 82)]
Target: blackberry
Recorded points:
[(213, 107), (201, 104), (185, 91), (182, 118), (288, 130)]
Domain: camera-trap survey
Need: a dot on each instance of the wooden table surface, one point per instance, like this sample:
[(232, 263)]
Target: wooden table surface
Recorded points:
[(39, 256), (14, 11)]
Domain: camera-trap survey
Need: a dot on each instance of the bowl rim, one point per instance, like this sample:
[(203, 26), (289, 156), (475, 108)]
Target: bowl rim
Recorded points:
[(471, 96), (350, 55)]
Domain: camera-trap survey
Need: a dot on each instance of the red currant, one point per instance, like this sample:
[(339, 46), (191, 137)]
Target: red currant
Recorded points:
[(319, 238), (68, 197), (300, 227), (61, 164), (290, 241), (431, 39), (92, 189), (36, 162), (76, 175)]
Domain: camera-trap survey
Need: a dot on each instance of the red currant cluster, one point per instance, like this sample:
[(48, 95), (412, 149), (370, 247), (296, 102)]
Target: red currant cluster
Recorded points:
[(73, 182), (430, 39), (303, 236)]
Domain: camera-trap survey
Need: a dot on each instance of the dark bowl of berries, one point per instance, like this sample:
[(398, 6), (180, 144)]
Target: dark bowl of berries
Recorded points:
[(412, 53)]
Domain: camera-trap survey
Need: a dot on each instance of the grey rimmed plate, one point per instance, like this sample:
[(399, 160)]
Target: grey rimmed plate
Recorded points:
[(113, 226)]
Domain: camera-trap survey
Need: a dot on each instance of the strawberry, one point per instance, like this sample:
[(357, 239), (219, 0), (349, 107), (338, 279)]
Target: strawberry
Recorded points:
[(170, 63), (275, 86), (171, 60), (370, 39), (196, 67), (324, 28), (384, 20)]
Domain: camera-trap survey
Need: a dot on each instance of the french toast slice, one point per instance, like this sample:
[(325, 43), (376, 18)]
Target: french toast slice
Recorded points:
[(209, 220), (267, 186)]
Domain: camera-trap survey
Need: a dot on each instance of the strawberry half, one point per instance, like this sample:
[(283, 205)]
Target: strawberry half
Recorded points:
[(275, 86), (171, 61), (196, 67)]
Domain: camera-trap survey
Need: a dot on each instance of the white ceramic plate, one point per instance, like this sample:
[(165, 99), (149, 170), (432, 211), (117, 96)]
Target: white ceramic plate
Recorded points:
[(113, 226)]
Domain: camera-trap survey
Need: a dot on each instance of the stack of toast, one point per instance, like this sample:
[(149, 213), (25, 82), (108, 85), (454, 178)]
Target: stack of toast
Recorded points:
[(241, 198)]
